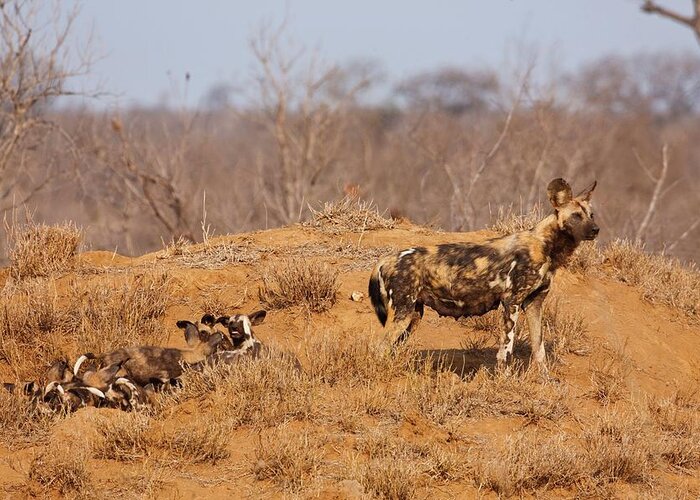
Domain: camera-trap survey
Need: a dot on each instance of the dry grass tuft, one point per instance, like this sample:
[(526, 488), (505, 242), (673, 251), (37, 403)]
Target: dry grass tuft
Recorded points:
[(389, 478), (63, 468), (586, 257), (333, 359), (678, 423), (287, 459), (213, 256), (609, 377), (117, 313), (528, 461), (204, 440), (508, 221), (23, 423), (349, 214), (362, 257), (123, 438), (267, 392), (565, 331), (617, 449), (298, 282), (40, 250), (661, 278)]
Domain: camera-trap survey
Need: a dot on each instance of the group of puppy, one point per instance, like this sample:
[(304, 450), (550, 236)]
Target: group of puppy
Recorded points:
[(129, 378)]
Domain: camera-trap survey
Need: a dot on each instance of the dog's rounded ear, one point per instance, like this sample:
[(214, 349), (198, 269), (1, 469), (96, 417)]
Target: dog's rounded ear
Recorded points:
[(191, 332), (559, 193), (223, 320), (257, 317), (208, 319), (585, 195)]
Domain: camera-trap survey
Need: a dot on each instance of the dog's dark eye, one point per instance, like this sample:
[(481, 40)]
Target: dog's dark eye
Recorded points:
[(577, 215)]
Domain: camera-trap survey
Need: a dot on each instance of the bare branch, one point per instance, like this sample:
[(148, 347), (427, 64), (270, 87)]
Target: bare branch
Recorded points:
[(656, 195)]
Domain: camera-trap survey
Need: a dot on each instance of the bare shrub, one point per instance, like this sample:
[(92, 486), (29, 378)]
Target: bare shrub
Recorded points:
[(609, 377), (350, 214), (660, 278), (509, 221), (586, 257), (268, 392), (389, 478), (617, 450), (678, 425), (333, 359), (528, 461), (565, 330), (204, 440), (106, 316), (40, 250), (287, 459), (123, 437), (297, 282), (63, 468), (23, 423)]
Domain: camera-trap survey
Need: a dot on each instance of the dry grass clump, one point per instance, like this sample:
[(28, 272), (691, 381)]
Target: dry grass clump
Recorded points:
[(678, 422), (204, 440), (509, 392), (40, 250), (362, 257), (288, 459), (661, 278), (113, 314), (509, 221), (333, 359), (267, 392), (389, 478), (298, 282), (617, 448), (63, 468), (609, 377), (124, 437), (23, 423), (586, 256), (396, 468), (528, 461), (565, 331), (349, 214), (214, 256)]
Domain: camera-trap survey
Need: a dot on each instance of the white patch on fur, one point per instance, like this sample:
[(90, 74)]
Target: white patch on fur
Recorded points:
[(96, 392), (509, 281), (511, 333), (406, 252), (246, 346), (247, 326), (126, 382), (78, 363)]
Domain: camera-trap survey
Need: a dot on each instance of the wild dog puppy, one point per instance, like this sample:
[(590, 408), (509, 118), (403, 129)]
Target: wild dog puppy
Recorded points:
[(240, 330), (470, 279), (149, 364), (206, 328)]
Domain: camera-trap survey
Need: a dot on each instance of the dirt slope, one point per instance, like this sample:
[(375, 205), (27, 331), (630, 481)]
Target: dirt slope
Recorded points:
[(658, 345)]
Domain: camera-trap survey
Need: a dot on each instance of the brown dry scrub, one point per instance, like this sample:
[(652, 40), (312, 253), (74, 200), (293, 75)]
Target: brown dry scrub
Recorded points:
[(22, 423), (63, 468), (297, 282), (509, 221), (287, 459), (123, 438), (660, 278), (203, 440), (119, 312), (349, 214), (267, 392), (613, 449), (40, 323), (40, 250)]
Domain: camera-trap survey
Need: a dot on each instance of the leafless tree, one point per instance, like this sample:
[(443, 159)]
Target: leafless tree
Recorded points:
[(691, 21), (304, 106), (38, 63)]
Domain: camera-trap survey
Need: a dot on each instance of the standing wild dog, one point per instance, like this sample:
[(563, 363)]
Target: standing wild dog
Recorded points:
[(470, 279)]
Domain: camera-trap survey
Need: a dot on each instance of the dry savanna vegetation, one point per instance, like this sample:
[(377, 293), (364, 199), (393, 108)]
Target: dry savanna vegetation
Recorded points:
[(334, 181), (355, 418)]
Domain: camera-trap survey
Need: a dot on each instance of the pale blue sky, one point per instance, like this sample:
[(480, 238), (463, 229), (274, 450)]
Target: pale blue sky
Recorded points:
[(143, 41)]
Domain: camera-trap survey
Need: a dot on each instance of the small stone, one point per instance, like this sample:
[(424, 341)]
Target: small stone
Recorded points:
[(357, 296)]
